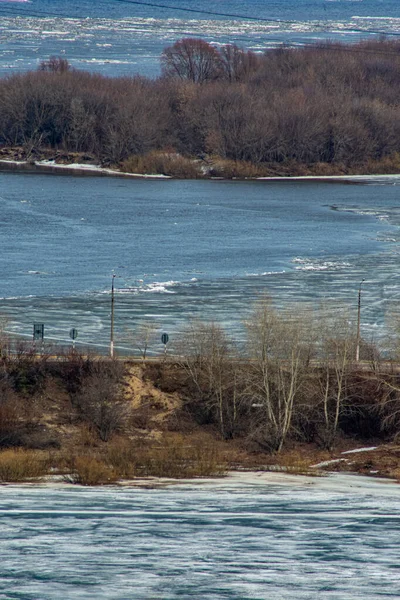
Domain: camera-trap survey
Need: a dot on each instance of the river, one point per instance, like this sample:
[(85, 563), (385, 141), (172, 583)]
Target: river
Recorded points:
[(183, 249), (119, 37), (248, 537)]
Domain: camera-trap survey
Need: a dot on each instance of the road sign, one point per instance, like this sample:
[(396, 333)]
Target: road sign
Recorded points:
[(38, 331), (165, 338), (73, 334)]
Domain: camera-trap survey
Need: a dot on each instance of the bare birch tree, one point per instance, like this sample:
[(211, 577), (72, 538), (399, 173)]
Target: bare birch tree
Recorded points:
[(210, 362), (280, 346), (337, 351)]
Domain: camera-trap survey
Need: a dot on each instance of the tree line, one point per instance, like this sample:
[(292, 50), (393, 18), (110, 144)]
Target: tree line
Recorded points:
[(296, 378), (332, 104)]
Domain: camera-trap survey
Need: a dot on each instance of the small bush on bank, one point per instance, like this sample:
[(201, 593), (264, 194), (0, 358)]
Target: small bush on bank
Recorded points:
[(237, 169), (163, 163), (20, 465), (87, 470), (99, 400), (178, 457), (121, 456), (9, 417)]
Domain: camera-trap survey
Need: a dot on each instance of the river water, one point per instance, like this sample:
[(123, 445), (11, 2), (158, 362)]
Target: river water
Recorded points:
[(245, 538), (183, 249), (121, 38)]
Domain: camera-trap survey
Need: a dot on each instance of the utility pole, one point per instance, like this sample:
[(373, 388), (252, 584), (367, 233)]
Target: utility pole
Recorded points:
[(358, 322), (112, 319)]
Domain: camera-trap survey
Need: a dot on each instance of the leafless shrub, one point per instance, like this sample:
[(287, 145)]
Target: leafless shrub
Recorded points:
[(209, 360), (281, 346), (55, 64), (88, 470), (99, 399)]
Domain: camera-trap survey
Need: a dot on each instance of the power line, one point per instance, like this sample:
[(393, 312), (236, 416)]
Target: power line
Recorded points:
[(235, 15), (36, 13), (217, 14), (19, 11)]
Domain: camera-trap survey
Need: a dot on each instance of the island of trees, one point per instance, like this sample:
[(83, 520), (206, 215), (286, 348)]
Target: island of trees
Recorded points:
[(326, 109)]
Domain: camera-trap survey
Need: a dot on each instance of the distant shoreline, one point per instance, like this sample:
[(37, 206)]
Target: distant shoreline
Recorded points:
[(49, 167)]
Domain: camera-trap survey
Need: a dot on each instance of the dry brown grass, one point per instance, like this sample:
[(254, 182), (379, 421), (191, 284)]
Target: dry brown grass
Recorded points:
[(163, 163), (236, 169), (88, 470), (173, 456), (177, 457), (87, 437), (21, 465), (297, 463), (121, 456)]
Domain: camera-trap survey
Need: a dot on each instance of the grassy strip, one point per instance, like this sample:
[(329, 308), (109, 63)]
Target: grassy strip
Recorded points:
[(21, 465)]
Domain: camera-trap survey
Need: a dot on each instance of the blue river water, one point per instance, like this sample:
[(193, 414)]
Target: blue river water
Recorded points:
[(333, 538), (183, 249), (123, 38)]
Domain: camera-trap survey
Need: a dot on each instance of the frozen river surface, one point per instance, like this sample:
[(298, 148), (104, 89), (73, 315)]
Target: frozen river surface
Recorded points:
[(260, 537), (182, 249)]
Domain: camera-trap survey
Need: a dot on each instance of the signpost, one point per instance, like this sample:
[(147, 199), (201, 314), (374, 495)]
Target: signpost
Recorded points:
[(73, 334), (165, 340), (38, 331), (38, 334)]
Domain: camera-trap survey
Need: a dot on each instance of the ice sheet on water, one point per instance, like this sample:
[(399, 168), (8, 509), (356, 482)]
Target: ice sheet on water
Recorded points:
[(116, 45), (246, 537), (314, 264)]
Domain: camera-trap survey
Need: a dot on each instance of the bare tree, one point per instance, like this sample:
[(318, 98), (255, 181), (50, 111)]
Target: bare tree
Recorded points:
[(55, 64), (142, 337), (99, 399), (191, 59), (280, 345), (236, 63), (336, 360), (210, 363)]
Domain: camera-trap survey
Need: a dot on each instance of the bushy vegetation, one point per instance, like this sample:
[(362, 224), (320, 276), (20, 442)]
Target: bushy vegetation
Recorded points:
[(328, 109), (19, 465), (296, 380)]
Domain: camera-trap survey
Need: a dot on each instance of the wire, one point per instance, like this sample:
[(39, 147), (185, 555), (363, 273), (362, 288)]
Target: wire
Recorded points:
[(216, 14), (37, 13), (19, 11)]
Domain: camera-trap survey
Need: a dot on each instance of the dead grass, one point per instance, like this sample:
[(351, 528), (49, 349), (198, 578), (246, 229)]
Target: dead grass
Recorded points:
[(178, 457), (21, 465), (121, 456), (236, 169), (88, 470), (163, 163)]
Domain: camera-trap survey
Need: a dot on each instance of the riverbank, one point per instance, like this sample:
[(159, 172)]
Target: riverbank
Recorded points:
[(329, 481), (98, 422), (172, 166)]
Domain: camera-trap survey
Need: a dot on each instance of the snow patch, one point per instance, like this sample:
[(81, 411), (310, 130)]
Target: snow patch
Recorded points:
[(360, 450)]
